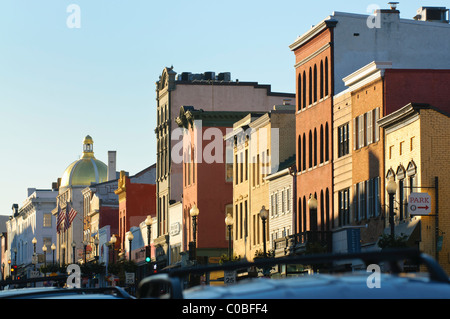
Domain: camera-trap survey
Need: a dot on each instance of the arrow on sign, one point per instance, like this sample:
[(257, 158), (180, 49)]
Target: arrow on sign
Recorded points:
[(422, 207)]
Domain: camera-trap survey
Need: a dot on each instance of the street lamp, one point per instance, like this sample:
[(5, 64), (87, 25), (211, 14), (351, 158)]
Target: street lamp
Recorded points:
[(112, 241), (264, 214), (312, 204), (229, 222), (63, 247), (44, 249), (85, 243), (148, 252), (34, 241), (149, 222), (194, 213), (53, 247), (73, 251), (130, 239), (391, 188)]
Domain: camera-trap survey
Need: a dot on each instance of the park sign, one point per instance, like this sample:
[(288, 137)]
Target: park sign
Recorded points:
[(419, 204)]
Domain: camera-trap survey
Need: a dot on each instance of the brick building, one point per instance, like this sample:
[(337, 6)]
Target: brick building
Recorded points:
[(137, 200), (207, 183), (211, 92), (330, 51), (417, 137)]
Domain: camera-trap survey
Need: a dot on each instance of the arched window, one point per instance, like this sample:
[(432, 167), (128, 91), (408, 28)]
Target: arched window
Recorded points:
[(304, 214), (310, 87), (300, 217), (315, 147), (315, 83), (299, 92), (321, 144), (321, 79), (326, 76), (327, 209), (322, 212), (310, 149), (327, 144), (304, 152), (304, 90), (299, 153)]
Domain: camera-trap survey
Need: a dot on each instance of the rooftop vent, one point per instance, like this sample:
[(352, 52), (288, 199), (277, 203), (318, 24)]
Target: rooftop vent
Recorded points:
[(432, 14)]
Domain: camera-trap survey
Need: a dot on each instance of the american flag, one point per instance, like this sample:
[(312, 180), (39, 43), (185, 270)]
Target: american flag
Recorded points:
[(71, 213), (60, 219)]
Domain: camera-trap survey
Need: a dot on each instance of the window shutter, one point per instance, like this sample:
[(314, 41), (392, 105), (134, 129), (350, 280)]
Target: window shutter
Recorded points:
[(369, 129), (376, 127), (355, 129)]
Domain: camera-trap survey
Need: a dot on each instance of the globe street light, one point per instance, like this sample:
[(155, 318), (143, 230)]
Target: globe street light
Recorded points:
[(112, 241), (229, 222), (391, 188), (148, 252), (264, 214), (73, 251), (44, 249), (96, 241), (53, 247), (130, 239), (194, 213)]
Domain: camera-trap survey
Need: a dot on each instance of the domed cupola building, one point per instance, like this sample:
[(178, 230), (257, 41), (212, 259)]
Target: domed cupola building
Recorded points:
[(86, 170), (77, 176)]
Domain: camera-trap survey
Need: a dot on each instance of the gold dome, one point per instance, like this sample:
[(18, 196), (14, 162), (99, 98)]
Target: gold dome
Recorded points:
[(86, 170)]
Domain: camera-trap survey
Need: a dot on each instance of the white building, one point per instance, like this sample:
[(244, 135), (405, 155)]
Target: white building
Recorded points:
[(359, 39), (32, 220)]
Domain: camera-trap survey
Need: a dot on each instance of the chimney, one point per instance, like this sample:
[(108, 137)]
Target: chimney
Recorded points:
[(111, 165)]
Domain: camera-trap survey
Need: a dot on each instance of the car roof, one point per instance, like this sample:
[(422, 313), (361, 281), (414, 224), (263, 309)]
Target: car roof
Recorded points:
[(326, 286), (65, 293)]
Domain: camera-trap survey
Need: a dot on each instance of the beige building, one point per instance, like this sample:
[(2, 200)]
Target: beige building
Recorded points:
[(206, 91), (261, 141), (417, 140)]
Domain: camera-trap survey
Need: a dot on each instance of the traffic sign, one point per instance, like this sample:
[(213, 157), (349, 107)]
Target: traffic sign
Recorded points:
[(229, 277), (34, 274), (419, 204), (129, 278)]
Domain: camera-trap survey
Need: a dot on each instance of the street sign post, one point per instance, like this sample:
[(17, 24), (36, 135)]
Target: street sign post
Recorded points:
[(129, 278), (419, 204), (229, 277)]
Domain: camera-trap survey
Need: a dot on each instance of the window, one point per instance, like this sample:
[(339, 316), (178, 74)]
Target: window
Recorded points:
[(288, 200), (47, 220), (366, 129), (343, 140), (344, 207), (283, 201)]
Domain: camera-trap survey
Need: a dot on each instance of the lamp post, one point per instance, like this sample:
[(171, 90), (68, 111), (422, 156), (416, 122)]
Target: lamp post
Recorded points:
[(73, 251), (263, 214), (229, 222), (130, 239), (194, 213), (53, 247), (63, 247), (312, 204), (149, 222), (112, 241), (34, 241), (391, 188), (44, 249)]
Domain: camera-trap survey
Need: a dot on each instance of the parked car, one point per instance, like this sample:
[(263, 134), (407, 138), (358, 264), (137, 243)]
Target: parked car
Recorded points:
[(65, 293), (351, 285)]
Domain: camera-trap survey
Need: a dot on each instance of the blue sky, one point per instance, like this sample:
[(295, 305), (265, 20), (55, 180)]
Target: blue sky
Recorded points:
[(58, 84)]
